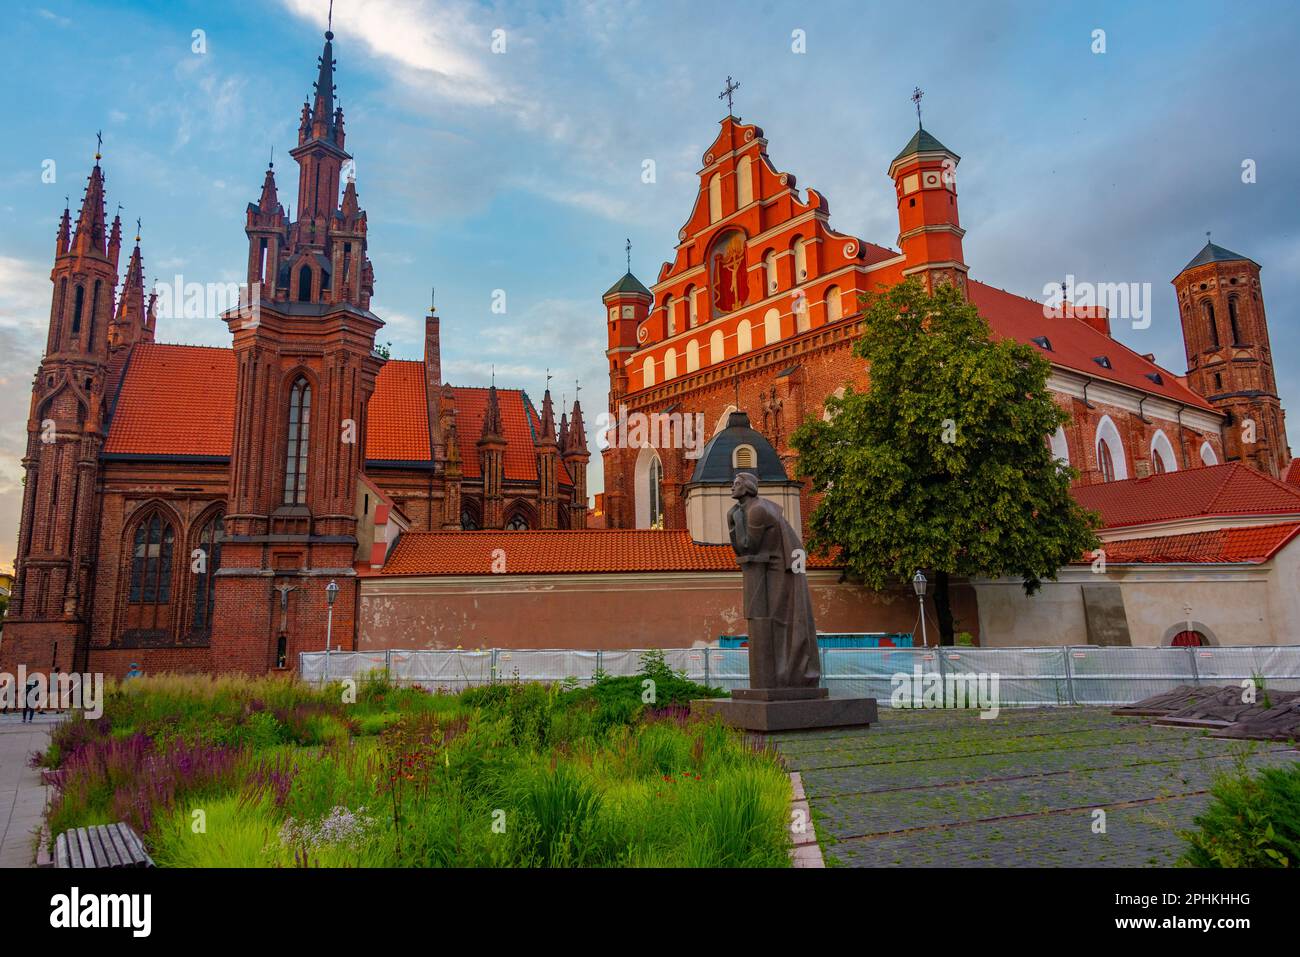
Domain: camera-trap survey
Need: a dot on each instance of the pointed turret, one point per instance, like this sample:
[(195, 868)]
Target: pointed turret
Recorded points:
[(548, 417), (65, 233), (491, 455), (576, 456), (270, 199), (115, 241), (492, 417), (564, 430), (90, 236), (323, 126), (128, 325)]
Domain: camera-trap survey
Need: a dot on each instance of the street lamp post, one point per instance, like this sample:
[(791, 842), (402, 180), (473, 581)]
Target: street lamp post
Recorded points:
[(331, 592), (918, 585)]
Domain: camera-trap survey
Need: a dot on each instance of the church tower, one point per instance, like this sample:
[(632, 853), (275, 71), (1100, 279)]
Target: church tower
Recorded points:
[(49, 611), (627, 304), (1229, 359), (305, 370), (929, 229)]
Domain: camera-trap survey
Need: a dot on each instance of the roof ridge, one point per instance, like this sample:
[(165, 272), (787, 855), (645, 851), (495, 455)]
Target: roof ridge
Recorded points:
[(184, 345)]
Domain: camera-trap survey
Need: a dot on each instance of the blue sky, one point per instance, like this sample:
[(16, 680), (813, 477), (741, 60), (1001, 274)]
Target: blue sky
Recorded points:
[(522, 170)]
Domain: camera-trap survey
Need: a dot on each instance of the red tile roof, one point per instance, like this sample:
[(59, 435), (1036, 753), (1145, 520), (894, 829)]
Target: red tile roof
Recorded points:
[(397, 424), (560, 553), (519, 422), (180, 400), (1292, 474), (1251, 544), (1075, 344), (175, 400), (1231, 489)]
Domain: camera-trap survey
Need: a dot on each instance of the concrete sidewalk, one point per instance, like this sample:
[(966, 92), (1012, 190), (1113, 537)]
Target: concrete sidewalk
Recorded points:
[(22, 795)]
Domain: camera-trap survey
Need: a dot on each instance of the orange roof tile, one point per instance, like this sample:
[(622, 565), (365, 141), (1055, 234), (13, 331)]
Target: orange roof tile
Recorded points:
[(1075, 344), (1292, 474), (1250, 544), (397, 424), (180, 400), (559, 553), (174, 400), (519, 422), (1231, 489)]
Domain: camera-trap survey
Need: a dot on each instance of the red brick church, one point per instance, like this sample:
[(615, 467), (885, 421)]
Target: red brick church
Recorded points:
[(186, 507)]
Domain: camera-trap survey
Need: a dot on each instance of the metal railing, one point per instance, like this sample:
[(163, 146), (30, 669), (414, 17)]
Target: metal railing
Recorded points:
[(1027, 677)]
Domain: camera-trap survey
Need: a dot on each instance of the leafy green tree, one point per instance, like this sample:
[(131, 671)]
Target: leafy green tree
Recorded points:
[(943, 463)]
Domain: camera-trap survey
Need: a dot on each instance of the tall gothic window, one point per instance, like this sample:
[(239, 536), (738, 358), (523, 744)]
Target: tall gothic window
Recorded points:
[(1232, 319), (656, 493), (1105, 461), (295, 457), (209, 543), (151, 562), (1208, 308)]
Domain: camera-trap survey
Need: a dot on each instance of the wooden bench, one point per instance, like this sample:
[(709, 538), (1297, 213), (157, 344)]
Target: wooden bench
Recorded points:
[(104, 845)]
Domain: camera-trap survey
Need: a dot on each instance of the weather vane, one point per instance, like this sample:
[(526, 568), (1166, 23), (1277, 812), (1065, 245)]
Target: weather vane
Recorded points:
[(628, 248), (137, 229), (433, 298), (329, 22), (99, 145), (917, 93), (726, 93)]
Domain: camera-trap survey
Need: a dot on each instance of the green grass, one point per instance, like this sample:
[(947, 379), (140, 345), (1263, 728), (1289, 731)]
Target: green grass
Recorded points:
[(273, 773)]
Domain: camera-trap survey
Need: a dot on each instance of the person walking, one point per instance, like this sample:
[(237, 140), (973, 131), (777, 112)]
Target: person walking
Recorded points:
[(29, 699)]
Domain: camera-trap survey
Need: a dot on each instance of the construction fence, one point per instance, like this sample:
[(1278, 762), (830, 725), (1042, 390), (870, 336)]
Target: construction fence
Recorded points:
[(1027, 677)]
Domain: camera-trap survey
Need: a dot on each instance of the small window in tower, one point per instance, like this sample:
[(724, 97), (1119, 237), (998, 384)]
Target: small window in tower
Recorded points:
[(304, 284), (1232, 320), (1218, 382), (912, 201), (76, 309)]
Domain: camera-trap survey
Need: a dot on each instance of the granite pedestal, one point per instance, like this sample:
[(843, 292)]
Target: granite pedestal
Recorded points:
[(788, 709)]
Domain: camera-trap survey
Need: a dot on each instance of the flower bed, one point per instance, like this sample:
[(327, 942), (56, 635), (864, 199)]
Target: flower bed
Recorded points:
[(270, 772)]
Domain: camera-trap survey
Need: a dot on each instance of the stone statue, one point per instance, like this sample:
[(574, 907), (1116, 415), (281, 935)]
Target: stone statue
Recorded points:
[(782, 634)]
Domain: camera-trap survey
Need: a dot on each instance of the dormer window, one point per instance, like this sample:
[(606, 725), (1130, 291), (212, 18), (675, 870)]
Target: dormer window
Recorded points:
[(1103, 361), (1156, 377), (744, 457), (1042, 342)]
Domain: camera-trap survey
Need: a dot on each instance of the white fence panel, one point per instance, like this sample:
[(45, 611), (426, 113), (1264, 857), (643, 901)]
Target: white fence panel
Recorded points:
[(1114, 676)]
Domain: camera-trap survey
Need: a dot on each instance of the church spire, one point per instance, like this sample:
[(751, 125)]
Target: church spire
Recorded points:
[(91, 220), (323, 115), (65, 232), (270, 200)]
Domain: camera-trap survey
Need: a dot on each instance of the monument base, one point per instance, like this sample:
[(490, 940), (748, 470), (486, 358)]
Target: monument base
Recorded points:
[(798, 714)]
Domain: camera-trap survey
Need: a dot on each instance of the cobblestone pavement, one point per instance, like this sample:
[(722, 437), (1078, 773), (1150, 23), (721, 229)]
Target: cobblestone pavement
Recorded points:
[(949, 789)]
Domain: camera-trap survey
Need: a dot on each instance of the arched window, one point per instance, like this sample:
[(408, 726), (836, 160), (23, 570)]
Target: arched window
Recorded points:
[(656, 489), (1110, 452), (149, 594), (209, 544), (299, 434), (1162, 454), (670, 319), (692, 355), (517, 523), (769, 270), (1207, 454), (800, 260), (716, 346), (1060, 447), (745, 181), (648, 372), (1207, 308), (771, 326), (304, 284), (1189, 638), (670, 364), (469, 521), (1105, 461), (744, 337), (715, 198), (1232, 319), (79, 303), (744, 458), (692, 309), (151, 562), (834, 304)]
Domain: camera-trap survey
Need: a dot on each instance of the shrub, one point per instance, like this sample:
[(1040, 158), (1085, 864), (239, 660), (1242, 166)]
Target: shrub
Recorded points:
[(1253, 821)]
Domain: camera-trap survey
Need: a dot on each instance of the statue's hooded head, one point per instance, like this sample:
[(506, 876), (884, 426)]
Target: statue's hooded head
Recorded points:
[(745, 486)]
